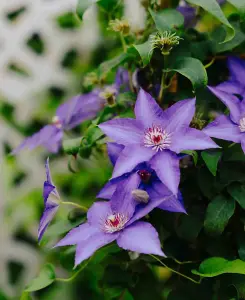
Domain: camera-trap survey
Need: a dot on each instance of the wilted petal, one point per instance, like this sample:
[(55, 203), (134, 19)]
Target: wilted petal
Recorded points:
[(166, 165), (114, 151), (231, 101), (87, 248), (108, 190), (223, 128), (122, 200), (46, 218), (78, 235), (192, 139), (98, 212), (147, 111), (123, 131), (237, 69), (179, 115), (141, 237), (130, 157)]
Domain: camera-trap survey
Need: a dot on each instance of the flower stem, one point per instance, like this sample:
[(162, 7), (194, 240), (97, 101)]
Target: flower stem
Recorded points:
[(210, 63), (75, 205), (176, 272), (74, 275), (163, 80), (124, 45)]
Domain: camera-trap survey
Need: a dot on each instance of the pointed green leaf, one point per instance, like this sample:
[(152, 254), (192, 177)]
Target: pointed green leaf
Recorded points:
[(215, 266), (239, 4), (167, 19), (44, 279), (212, 7), (211, 159), (106, 66), (218, 213), (191, 68), (72, 146), (25, 296), (144, 50), (107, 5), (237, 191)]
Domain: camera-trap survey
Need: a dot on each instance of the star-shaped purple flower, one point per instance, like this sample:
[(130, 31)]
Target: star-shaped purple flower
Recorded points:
[(72, 113), (157, 136), (232, 127), (235, 84), (114, 220), (148, 181), (51, 202)]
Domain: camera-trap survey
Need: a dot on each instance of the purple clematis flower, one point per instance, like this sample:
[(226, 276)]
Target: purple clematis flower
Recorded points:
[(156, 136), (51, 202), (115, 220), (72, 113), (147, 181), (232, 127), (235, 84)]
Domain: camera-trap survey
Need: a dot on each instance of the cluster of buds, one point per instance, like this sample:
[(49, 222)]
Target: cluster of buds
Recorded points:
[(121, 26), (197, 122), (165, 41), (91, 79), (109, 94)]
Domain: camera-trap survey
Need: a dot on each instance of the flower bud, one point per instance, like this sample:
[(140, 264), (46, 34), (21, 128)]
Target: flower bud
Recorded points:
[(133, 255), (121, 26), (140, 196), (109, 94), (90, 79), (164, 41), (197, 122)]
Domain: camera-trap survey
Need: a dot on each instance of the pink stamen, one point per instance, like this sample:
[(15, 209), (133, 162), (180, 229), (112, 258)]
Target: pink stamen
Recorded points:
[(157, 138)]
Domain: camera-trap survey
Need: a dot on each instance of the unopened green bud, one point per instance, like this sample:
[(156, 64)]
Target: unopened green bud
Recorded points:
[(197, 122), (91, 79), (164, 41)]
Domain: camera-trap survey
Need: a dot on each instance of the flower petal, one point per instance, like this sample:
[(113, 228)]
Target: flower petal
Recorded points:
[(46, 218), (130, 157), (192, 139), (174, 204), (231, 87), (166, 165), (98, 212), (122, 200), (237, 69), (243, 143), (78, 235), (114, 151), (141, 237), (123, 131), (87, 248), (231, 101), (147, 111), (122, 79), (179, 115), (108, 190), (223, 128)]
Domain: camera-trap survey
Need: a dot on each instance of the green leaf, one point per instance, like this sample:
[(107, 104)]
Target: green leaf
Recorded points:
[(218, 213), (44, 279), (212, 7), (144, 50), (82, 5), (167, 19), (219, 34), (194, 155), (211, 159), (215, 266), (189, 227), (25, 296), (237, 192), (106, 66), (239, 4), (239, 283), (72, 146), (191, 68), (107, 5)]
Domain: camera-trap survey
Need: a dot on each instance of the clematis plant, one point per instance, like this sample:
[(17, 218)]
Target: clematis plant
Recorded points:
[(232, 127), (148, 181), (156, 136), (73, 112), (115, 220)]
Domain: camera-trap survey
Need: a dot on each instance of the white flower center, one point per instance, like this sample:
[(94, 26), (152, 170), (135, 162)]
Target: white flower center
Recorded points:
[(115, 222), (108, 92), (242, 124), (56, 122), (157, 138)]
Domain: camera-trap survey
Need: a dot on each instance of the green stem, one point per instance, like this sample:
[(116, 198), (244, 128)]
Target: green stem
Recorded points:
[(210, 63), (74, 275), (176, 272), (75, 205), (163, 80), (124, 45)]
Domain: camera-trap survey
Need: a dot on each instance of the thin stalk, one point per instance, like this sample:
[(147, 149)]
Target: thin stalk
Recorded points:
[(176, 272), (124, 45), (163, 80), (74, 275), (210, 63), (75, 205)]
